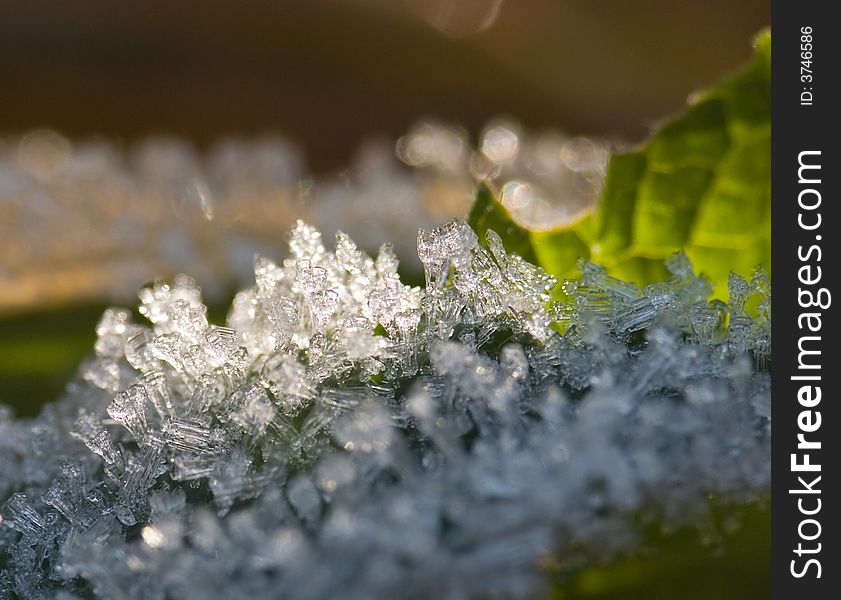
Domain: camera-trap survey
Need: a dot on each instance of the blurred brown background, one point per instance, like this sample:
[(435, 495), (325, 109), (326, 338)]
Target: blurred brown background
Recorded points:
[(329, 72)]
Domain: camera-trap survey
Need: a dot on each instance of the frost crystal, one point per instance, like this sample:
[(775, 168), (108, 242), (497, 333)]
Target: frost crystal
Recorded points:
[(346, 435)]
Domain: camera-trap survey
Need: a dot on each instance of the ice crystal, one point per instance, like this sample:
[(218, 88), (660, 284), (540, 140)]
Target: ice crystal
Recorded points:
[(346, 435)]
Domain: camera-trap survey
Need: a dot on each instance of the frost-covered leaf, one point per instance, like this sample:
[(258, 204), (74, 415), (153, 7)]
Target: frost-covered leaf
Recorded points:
[(339, 417), (700, 184)]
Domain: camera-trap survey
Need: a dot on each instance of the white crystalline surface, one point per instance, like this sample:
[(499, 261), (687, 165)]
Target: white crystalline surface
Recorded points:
[(347, 436)]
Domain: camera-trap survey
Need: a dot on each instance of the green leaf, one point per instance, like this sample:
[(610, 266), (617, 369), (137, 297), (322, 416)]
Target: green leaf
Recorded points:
[(701, 184), (488, 213), (722, 557)]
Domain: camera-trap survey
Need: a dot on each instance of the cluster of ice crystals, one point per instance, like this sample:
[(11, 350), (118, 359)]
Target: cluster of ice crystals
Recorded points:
[(346, 435)]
